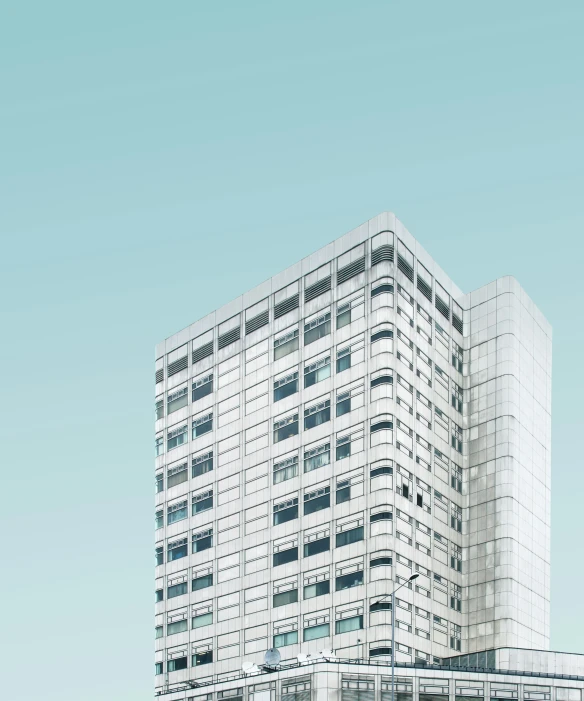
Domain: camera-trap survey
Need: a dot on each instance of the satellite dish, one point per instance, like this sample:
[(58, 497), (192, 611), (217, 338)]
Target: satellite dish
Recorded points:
[(272, 657), (301, 657)]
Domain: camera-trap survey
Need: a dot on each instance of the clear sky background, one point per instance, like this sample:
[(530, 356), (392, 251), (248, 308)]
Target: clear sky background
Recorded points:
[(158, 159)]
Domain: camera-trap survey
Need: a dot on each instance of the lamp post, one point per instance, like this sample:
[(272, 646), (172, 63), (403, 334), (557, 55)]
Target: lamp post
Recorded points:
[(393, 593)]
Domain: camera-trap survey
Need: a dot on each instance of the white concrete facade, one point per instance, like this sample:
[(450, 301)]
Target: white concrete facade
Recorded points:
[(349, 422)]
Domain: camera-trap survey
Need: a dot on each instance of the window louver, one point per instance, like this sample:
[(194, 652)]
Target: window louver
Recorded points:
[(457, 323), (424, 288), (286, 306), (257, 322), (384, 252), (177, 366), (349, 271), (317, 289), (228, 338), (203, 352), (159, 376), (405, 267), (442, 307)]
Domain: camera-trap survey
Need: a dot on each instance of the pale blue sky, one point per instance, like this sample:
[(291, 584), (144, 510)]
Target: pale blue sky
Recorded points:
[(146, 145)]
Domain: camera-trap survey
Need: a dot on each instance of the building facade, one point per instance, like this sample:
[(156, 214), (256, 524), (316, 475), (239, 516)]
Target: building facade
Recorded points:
[(352, 421)]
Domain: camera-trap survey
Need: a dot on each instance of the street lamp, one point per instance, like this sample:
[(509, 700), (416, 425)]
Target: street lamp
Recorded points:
[(396, 589)]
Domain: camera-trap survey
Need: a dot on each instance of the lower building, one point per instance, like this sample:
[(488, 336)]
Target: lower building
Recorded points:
[(505, 673)]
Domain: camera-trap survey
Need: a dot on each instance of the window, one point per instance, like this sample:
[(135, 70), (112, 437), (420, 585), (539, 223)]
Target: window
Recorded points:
[(317, 371), (381, 287), (203, 540), (202, 464), (285, 344), (350, 397), (177, 400), (349, 442), (159, 480), (381, 561), (286, 386), (317, 414), (347, 624), (158, 596), (382, 333), (384, 377), (159, 555), (314, 632), (318, 589), (314, 547), (317, 457), (456, 356), (381, 470), (176, 590), (283, 639), (343, 491), (350, 354), (343, 403), (202, 501), (457, 437), (284, 556), (457, 397), (177, 627), (380, 606), (177, 474), (201, 658), (177, 664), (285, 469), (350, 310), (177, 549), (317, 328), (203, 619), (176, 437), (346, 581), (158, 632), (456, 477), (381, 424), (159, 409), (159, 445), (285, 597), (202, 425), (285, 511), (202, 388), (176, 512), (347, 537), (384, 515), (202, 582), (456, 557), (158, 667), (159, 519), (455, 517), (317, 500), (285, 428)]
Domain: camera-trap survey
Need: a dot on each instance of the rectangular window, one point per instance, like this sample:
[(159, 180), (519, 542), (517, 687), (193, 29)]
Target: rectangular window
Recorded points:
[(285, 428), (176, 590), (159, 445), (349, 442), (158, 632), (177, 400), (321, 545), (317, 372), (350, 354), (203, 658), (158, 668), (202, 582), (204, 619), (176, 437), (177, 512), (159, 519), (159, 481), (177, 627), (347, 624), (177, 549), (177, 475), (285, 386), (346, 581), (317, 328), (159, 409), (158, 595), (317, 457), (285, 511), (318, 589), (202, 388), (315, 632), (177, 664), (317, 414), (159, 556), (202, 501), (383, 286), (285, 469), (350, 310), (353, 535), (317, 500), (202, 425), (202, 464), (285, 597), (284, 556), (203, 540), (283, 639), (286, 344)]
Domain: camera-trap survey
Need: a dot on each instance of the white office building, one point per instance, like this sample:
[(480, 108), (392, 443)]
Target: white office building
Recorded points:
[(353, 421)]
